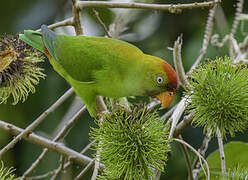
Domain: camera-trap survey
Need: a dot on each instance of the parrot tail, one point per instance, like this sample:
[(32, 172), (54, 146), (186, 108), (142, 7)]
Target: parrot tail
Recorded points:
[(33, 38), (48, 37)]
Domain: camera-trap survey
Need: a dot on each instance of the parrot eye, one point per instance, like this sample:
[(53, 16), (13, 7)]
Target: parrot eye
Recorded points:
[(159, 80)]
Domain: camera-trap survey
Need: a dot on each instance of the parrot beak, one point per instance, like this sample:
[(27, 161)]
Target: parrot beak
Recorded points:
[(166, 98)]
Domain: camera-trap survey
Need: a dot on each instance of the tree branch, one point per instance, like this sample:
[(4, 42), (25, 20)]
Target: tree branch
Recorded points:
[(207, 36), (42, 176), (101, 23), (183, 124), (172, 8), (221, 150), (66, 22), (60, 135), (35, 123), (77, 18), (239, 9), (87, 168), (202, 151), (53, 146), (187, 159), (60, 168), (177, 58), (82, 152), (177, 115), (198, 154)]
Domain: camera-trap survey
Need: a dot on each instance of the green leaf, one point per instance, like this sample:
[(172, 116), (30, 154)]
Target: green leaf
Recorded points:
[(236, 155)]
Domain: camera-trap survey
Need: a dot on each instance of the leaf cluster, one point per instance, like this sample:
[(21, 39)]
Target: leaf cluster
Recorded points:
[(131, 144), (218, 96)]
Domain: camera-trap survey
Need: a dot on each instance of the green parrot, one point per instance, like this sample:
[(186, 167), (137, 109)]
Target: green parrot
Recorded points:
[(103, 66)]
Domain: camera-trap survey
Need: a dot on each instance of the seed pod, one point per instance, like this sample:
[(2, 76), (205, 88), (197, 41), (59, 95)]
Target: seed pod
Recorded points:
[(18, 69), (131, 144), (218, 96)]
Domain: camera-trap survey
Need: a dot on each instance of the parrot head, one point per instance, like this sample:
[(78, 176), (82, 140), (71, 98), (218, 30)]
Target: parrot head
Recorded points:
[(164, 80)]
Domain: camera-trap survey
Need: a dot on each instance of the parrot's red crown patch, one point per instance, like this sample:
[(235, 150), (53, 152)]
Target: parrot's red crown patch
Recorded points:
[(173, 81)]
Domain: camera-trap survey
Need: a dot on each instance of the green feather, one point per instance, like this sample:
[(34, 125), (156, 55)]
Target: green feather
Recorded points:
[(33, 38)]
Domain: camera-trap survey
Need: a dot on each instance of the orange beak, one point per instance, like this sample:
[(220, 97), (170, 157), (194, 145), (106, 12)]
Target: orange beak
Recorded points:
[(165, 98)]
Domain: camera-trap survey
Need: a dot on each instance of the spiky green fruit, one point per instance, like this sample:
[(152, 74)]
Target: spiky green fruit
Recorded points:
[(131, 144), (7, 173), (218, 94), (18, 69)]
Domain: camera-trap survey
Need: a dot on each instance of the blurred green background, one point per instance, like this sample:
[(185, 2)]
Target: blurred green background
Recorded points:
[(152, 31)]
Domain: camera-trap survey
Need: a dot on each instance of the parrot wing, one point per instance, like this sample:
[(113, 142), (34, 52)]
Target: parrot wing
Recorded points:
[(82, 57)]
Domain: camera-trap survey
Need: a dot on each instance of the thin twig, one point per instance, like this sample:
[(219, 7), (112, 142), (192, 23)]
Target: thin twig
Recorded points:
[(168, 114), (101, 106), (101, 109), (235, 24), (97, 165), (76, 105), (87, 147), (69, 124), (172, 8), (77, 18), (46, 143), (235, 50), (183, 124), (35, 123), (96, 169), (60, 135), (66, 22), (60, 168), (244, 45), (86, 169), (216, 43), (177, 115), (177, 58), (187, 158), (198, 154), (239, 9), (221, 150), (207, 36), (50, 173), (82, 152), (34, 164), (196, 164), (101, 23)]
